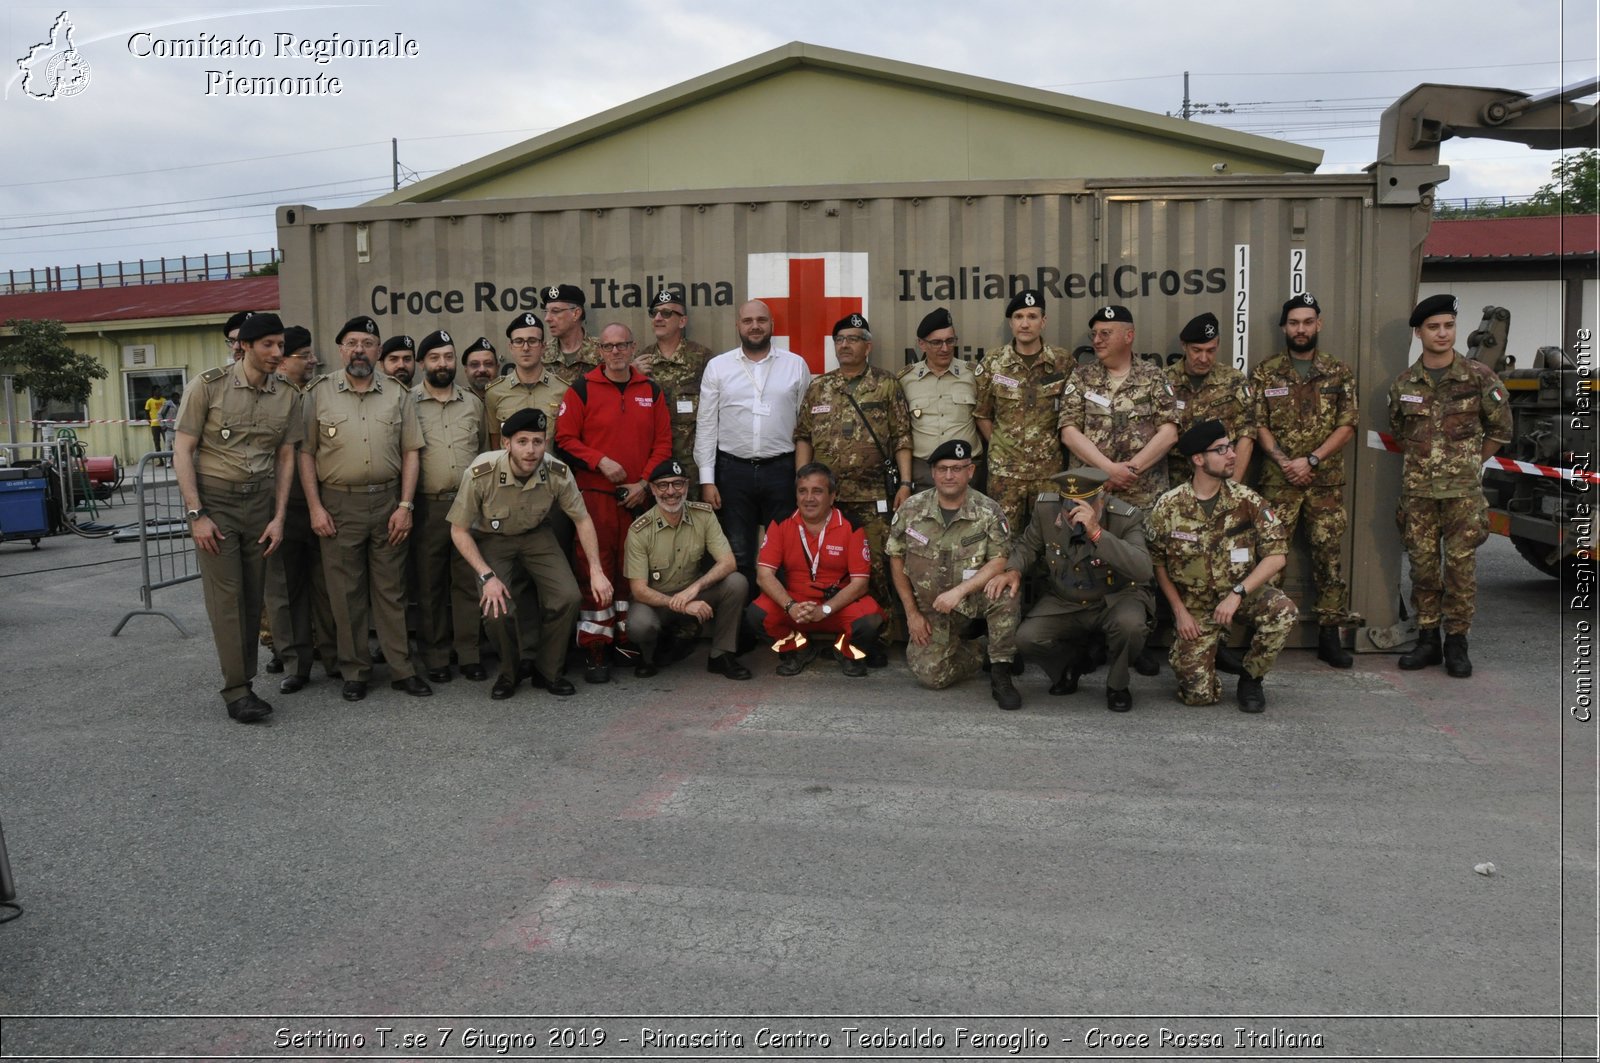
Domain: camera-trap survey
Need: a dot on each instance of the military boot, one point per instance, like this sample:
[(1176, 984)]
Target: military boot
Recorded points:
[(1426, 651), (1330, 648), (1000, 686), (1456, 662)]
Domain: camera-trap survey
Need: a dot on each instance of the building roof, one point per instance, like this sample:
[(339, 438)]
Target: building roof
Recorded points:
[(1513, 239), (711, 91), (143, 302)]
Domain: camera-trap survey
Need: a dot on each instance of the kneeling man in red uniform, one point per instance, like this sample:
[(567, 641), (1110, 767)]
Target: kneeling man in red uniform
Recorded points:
[(812, 571)]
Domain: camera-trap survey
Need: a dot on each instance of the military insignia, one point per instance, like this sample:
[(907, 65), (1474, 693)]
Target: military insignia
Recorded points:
[(495, 524), (961, 450), (1309, 299), (1498, 393), (1108, 313), (504, 479), (916, 413), (656, 576), (226, 432), (1028, 300), (444, 336), (1210, 331), (552, 292), (857, 321), (332, 431)]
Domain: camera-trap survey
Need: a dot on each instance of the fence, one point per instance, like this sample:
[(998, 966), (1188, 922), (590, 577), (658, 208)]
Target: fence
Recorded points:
[(166, 551), (225, 266)]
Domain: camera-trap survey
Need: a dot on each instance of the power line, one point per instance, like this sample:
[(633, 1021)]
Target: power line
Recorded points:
[(177, 213)]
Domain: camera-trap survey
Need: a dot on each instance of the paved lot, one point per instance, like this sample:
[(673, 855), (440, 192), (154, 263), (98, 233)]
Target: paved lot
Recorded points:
[(687, 845)]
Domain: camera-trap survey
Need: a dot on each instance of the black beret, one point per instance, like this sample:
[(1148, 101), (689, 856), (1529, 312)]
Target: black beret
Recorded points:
[(441, 338), (950, 450), (235, 321), (850, 321), (529, 420), (527, 319), (1114, 313), (295, 337), (1433, 306), (667, 470), (480, 344), (667, 297), (935, 321), (1025, 299), (397, 343), (257, 325), (1202, 329), (1201, 436), (357, 324), (1299, 302), (564, 293)]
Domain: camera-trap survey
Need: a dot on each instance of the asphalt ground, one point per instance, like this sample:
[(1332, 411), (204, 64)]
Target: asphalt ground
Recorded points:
[(808, 849)]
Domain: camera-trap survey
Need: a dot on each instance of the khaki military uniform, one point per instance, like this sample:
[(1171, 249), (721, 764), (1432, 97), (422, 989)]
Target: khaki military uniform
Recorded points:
[(1121, 418), (240, 429), (1098, 587), (938, 556), (1204, 556), (1221, 395), (298, 612), (574, 365), (510, 519), (671, 558), (1300, 414), (678, 376), (1022, 398), (1441, 429), (941, 406), (447, 588), (840, 441), (358, 440), (506, 395)]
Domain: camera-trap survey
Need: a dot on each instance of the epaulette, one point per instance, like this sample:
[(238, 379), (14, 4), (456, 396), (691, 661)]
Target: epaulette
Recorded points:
[(558, 468), (483, 468), (907, 370), (491, 385), (1048, 496), (707, 506), (215, 374), (318, 380), (1120, 508), (640, 524)]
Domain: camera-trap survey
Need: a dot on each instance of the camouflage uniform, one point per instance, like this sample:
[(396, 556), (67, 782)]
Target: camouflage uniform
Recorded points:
[(1198, 554), (1441, 430), (1120, 422), (839, 440), (1300, 414), (506, 395), (1223, 395), (939, 556), (1090, 587), (1022, 398), (941, 408), (678, 375), (574, 365)]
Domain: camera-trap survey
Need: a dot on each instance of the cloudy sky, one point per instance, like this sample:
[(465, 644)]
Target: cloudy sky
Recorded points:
[(154, 157)]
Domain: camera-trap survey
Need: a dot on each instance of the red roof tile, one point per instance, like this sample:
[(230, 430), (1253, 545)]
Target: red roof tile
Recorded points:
[(188, 299), (1514, 238)]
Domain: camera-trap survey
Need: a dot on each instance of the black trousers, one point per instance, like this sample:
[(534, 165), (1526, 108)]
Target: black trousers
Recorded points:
[(753, 496)]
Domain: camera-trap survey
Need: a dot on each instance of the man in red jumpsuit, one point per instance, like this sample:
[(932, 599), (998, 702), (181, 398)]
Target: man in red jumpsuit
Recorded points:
[(821, 595), (613, 428)]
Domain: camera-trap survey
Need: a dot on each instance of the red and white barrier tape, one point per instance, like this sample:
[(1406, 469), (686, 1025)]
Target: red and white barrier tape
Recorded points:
[(85, 423), (1385, 441)]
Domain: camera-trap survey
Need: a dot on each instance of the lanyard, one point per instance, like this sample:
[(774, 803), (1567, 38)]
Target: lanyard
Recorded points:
[(815, 559), (744, 364)]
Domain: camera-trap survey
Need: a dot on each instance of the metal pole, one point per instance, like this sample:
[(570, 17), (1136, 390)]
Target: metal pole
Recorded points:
[(394, 160)]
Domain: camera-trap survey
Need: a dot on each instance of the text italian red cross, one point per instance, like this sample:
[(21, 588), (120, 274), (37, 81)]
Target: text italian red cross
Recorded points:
[(807, 315)]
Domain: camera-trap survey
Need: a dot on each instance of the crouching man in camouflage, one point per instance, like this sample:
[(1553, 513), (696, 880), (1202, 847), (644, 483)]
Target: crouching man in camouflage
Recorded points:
[(1215, 545), (944, 547)]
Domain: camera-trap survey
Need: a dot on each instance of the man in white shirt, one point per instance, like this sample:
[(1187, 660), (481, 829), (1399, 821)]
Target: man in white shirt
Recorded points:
[(744, 433)]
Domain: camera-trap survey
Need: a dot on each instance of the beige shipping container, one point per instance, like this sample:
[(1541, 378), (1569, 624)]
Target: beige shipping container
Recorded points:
[(1168, 249)]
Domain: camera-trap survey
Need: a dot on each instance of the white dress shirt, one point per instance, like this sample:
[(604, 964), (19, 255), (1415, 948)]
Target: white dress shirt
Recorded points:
[(748, 408)]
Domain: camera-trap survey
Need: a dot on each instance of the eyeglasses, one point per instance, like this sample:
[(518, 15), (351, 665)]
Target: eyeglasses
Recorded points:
[(617, 348), (360, 345), (525, 342), (549, 310), (1221, 448), (943, 469), (666, 313), (847, 337), (940, 345), (671, 485)]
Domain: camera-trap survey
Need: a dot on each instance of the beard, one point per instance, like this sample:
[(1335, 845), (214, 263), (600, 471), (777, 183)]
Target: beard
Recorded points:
[(442, 378), (1302, 346), (359, 367)]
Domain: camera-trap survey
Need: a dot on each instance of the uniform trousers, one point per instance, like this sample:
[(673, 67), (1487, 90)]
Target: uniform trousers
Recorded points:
[(1055, 625), (234, 579), (1321, 510), (953, 653), (599, 625), (1194, 661), (297, 596), (366, 580), (1442, 536), (447, 588), (726, 597), (537, 557)]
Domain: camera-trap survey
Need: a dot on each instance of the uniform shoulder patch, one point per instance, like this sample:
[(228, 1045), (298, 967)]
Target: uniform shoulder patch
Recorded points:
[(558, 469), (641, 523), (1048, 496), (482, 468), (707, 506), (214, 374)]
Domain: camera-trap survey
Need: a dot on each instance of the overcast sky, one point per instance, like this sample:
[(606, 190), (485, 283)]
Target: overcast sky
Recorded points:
[(144, 162)]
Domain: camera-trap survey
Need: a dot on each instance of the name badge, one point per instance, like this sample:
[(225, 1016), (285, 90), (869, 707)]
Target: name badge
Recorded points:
[(1410, 398), (685, 405), (1001, 378), (822, 409), (1239, 554), (762, 409), (646, 401), (968, 573), (883, 507), (1276, 393), (1188, 537), (918, 536), (1098, 400), (1182, 405)]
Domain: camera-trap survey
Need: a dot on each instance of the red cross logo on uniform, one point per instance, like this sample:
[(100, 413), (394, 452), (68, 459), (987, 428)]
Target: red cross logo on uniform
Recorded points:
[(807, 294)]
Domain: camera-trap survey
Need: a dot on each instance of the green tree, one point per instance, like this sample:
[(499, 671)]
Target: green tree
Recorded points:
[(1574, 186), (44, 363)]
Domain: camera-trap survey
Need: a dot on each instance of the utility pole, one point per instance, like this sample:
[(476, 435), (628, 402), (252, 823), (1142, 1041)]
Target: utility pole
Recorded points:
[(1185, 112), (394, 142)]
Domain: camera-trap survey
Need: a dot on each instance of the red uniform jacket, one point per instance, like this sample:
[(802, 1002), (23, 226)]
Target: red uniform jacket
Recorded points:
[(628, 423)]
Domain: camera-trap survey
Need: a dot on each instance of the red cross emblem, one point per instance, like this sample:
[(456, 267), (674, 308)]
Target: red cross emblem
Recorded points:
[(806, 315)]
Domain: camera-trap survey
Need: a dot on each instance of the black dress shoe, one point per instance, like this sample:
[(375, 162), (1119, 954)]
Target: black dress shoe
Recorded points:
[(1067, 684), (726, 664), (439, 675), (414, 685), (475, 672), (293, 684), (597, 672), (645, 669), (560, 686), (249, 709), (1118, 700), (354, 691), (526, 670), (1148, 662), (274, 666), (877, 657), (854, 667), (503, 688)]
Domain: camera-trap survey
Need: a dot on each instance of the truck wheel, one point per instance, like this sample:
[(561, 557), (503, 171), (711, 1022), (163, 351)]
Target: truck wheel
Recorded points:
[(1536, 554)]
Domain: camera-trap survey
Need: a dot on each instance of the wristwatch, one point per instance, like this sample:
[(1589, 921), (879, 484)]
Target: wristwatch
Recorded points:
[(485, 577), (410, 507), (1238, 588), (1313, 461), (196, 514), (827, 610)]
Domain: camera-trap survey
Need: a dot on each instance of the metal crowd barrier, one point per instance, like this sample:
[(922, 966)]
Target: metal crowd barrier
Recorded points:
[(166, 550)]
